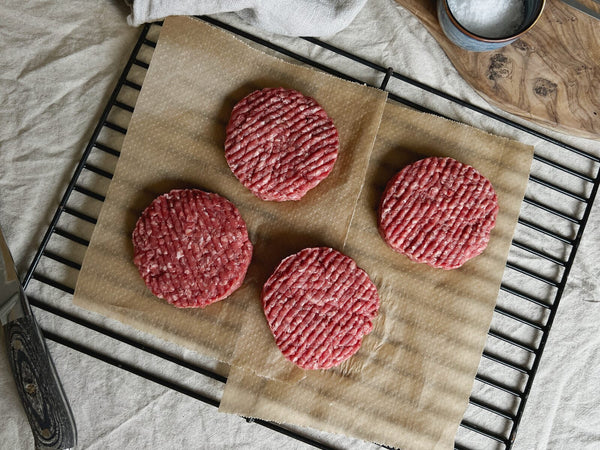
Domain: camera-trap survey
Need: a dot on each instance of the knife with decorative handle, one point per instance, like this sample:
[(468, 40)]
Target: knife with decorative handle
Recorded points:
[(39, 387)]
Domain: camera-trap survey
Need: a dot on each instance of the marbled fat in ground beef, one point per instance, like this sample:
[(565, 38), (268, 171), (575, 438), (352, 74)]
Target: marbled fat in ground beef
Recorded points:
[(319, 305), (438, 211), (191, 247), (280, 144)]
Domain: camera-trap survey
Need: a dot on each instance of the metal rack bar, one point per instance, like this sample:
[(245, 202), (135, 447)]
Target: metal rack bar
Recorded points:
[(107, 149), (89, 193), (562, 168), (505, 362), (539, 253), (55, 284), (79, 215), (548, 304), (518, 318), (497, 385), (62, 260), (543, 230), (510, 340), (492, 409), (531, 274), (484, 432), (551, 210), (524, 296), (98, 171), (70, 236), (557, 188)]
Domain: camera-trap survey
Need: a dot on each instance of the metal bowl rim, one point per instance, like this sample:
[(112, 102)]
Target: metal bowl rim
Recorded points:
[(479, 38)]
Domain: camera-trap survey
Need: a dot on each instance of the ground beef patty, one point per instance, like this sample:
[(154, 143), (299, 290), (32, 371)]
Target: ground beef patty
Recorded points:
[(191, 247), (438, 211), (319, 305), (280, 144)]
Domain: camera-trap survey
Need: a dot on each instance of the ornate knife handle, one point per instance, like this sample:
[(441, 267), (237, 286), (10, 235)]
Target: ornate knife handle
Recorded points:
[(40, 390)]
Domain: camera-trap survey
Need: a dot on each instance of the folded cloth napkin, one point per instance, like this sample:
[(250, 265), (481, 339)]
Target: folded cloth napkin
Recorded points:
[(288, 17)]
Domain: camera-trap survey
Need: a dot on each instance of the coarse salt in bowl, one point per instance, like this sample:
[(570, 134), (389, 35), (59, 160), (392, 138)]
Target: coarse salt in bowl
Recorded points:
[(482, 25)]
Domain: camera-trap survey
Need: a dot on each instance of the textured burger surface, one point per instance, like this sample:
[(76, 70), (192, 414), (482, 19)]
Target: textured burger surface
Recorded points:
[(191, 247), (319, 304), (438, 211), (280, 144)]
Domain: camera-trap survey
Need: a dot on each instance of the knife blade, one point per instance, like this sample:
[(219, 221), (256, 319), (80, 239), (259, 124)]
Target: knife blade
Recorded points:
[(584, 9), (39, 387)]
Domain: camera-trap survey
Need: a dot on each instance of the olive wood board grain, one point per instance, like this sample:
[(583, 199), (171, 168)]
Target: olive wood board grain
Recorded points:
[(550, 76)]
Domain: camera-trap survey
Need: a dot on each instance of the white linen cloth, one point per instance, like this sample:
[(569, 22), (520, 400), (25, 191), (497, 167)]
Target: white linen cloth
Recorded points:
[(288, 17), (58, 65)]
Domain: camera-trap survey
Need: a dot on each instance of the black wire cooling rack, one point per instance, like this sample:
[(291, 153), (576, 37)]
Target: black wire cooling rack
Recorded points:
[(549, 230)]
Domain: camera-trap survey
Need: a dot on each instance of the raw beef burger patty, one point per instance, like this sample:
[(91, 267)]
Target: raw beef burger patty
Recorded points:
[(438, 211), (280, 144), (191, 247), (319, 305)]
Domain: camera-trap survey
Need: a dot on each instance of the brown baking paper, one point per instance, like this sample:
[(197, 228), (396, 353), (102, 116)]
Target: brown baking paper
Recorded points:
[(418, 365), (175, 140), (409, 383)]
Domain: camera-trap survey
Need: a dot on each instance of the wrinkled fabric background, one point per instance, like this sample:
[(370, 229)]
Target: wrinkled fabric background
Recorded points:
[(287, 17), (58, 65)]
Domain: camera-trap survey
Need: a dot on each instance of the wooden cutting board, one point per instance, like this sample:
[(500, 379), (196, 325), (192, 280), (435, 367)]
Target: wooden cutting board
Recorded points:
[(550, 76)]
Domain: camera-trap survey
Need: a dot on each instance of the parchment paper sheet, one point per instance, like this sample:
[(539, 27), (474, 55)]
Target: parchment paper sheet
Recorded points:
[(409, 384), (175, 139), (415, 378)]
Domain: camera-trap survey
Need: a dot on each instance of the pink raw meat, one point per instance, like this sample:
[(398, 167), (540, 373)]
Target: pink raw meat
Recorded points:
[(191, 248), (319, 304), (280, 144), (438, 211)]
